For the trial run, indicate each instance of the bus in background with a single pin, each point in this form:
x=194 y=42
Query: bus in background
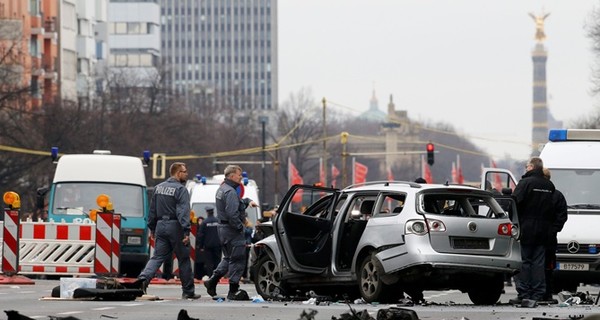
x=80 y=178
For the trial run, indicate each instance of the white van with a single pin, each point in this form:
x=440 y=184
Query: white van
x=80 y=178
x=573 y=157
x=203 y=190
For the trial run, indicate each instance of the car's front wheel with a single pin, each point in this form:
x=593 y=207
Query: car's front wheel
x=267 y=278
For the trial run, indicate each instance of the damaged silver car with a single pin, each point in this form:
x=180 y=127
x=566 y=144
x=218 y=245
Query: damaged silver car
x=382 y=239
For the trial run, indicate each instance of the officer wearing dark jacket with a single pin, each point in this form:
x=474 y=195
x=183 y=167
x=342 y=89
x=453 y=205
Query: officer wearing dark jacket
x=209 y=242
x=231 y=214
x=533 y=196
x=169 y=224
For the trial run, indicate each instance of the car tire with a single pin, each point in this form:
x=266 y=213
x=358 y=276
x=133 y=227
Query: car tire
x=487 y=293
x=267 y=278
x=371 y=285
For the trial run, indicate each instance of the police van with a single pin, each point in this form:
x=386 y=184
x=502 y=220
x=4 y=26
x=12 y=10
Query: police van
x=572 y=157
x=203 y=190
x=80 y=178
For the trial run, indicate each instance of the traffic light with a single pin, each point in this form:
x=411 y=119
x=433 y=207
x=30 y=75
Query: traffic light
x=430 y=150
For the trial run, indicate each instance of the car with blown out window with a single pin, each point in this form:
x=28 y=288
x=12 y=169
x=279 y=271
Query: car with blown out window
x=380 y=240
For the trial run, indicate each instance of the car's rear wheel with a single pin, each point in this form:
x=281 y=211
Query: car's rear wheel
x=486 y=292
x=267 y=278
x=371 y=286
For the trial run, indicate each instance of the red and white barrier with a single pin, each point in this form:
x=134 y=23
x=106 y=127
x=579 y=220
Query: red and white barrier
x=10 y=249
x=107 y=255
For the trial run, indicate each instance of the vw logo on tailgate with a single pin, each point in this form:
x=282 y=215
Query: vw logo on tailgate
x=573 y=247
x=472 y=226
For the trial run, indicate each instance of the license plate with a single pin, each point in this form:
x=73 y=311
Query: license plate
x=470 y=243
x=573 y=266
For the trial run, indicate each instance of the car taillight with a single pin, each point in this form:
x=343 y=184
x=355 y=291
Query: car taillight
x=415 y=227
x=436 y=225
x=506 y=229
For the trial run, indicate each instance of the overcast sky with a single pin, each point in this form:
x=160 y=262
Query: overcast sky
x=463 y=62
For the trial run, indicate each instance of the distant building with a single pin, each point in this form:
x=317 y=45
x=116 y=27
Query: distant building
x=133 y=31
x=222 y=52
x=373 y=114
x=28 y=45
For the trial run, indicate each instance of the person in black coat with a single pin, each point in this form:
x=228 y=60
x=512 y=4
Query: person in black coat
x=533 y=196
x=208 y=241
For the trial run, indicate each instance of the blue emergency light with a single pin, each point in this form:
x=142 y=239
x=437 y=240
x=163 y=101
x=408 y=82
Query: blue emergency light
x=203 y=180
x=557 y=135
x=54 y=154
x=146 y=157
x=245 y=175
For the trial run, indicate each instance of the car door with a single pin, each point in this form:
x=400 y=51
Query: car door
x=498 y=180
x=303 y=228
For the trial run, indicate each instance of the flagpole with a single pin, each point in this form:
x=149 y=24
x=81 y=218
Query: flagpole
x=289 y=174
x=353 y=170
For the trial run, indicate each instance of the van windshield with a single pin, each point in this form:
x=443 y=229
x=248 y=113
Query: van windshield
x=78 y=198
x=581 y=187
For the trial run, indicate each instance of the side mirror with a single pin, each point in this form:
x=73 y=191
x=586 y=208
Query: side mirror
x=506 y=191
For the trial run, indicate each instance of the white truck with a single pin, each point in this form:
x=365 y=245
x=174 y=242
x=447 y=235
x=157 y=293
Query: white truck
x=80 y=178
x=203 y=190
x=572 y=155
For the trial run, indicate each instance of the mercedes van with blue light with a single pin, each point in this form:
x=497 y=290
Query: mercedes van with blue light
x=572 y=155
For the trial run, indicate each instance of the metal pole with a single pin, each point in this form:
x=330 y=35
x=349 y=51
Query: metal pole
x=262 y=191
x=324 y=143
x=344 y=141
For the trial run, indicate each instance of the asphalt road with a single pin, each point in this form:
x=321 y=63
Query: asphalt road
x=30 y=301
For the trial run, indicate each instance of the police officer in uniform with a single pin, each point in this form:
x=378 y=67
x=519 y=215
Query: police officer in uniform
x=169 y=224
x=231 y=214
x=208 y=241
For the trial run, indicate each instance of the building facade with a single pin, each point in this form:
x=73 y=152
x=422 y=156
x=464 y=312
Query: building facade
x=133 y=31
x=222 y=52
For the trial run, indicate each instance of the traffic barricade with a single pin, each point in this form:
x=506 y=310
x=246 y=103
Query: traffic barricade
x=10 y=241
x=61 y=248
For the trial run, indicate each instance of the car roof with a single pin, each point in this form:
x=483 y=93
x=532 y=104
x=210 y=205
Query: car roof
x=405 y=186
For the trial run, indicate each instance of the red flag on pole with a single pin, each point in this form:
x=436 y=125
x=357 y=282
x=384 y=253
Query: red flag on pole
x=497 y=179
x=360 y=172
x=426 y=171
x=460 y=179
x=334 y=174
x=294 y=178
x=454 y=176
x=321 y=172
x=390 y=174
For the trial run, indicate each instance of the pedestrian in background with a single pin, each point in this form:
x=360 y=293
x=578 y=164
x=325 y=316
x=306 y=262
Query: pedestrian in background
x=209 y=242
x=248 y=233
x=169 y=224
x=533 y=196
x=231 y=212
x=560 y=217
x=200 y=261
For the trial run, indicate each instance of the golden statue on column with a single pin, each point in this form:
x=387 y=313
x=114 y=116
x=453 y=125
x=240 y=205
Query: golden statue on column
x=540 y=36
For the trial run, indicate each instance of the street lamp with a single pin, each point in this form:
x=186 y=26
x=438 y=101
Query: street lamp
x=263 y=121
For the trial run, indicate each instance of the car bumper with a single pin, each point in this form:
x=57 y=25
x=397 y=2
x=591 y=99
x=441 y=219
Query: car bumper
x=417 y=252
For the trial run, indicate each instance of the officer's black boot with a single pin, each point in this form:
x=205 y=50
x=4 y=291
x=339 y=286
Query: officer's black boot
x=233 y=289
x=211 y=285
